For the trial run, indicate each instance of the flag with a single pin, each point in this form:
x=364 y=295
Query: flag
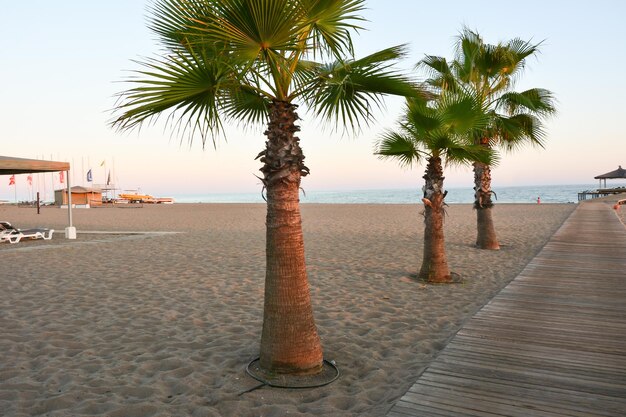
x=12 y=180
x=102 y=163
x=89 y=177
x=109 y=179
x=30 y=180
x=61 y=177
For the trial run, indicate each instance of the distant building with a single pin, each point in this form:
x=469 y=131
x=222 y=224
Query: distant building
x=81 y=197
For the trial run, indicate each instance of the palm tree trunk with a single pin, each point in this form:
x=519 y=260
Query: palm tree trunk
x=486 y=233
x=289 y=341
x=435 y=263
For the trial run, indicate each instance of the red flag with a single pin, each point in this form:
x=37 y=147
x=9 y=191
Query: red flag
x=12 y=180
x=61 y=177
x=30 y=180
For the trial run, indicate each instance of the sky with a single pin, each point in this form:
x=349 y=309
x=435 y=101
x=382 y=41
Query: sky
x=63 y=63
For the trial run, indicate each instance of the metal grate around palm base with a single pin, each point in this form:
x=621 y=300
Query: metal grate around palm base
x=329 y=373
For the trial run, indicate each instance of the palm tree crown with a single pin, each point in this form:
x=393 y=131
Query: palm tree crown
x=490 y=72
x=232 y=58
x=439 y=128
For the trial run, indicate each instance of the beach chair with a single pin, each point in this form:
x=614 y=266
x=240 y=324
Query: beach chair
x=10 y=234
x=6 y=235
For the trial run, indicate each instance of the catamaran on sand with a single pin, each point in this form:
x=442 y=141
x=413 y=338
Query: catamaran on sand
x=144 y=198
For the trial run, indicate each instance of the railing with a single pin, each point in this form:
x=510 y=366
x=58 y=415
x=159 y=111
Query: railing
x=591 y=194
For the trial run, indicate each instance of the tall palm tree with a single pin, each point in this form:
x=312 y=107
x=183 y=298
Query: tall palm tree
x=254 y=61
x=516 y=118
x=436 y=132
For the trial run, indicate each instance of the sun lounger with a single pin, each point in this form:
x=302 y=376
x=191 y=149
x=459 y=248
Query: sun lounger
x=6 y=235
x=10 y=234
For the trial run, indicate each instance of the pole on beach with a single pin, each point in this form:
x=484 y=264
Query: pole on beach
x=70 y=231
x=38 y=206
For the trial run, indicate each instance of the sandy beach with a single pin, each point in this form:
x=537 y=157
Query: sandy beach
x=163 y=324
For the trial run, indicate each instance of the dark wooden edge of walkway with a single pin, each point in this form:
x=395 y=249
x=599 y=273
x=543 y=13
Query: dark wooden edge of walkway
x=551 y=343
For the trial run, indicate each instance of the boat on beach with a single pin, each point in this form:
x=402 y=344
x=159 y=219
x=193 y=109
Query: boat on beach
x=144 y=198
x=135 y=198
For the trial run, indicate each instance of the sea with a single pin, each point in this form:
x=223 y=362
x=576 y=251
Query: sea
x=550 y=194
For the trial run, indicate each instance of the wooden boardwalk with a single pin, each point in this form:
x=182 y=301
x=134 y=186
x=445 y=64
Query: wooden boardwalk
x=552 y=343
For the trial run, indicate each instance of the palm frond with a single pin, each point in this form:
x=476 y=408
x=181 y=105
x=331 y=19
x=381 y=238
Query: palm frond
x=400 y=147
x=519 y=51
x=345 y=91
x=172 y=20
x=462 y=154
x=468 y=48
x=520 y=129
x=331 y=22
x=494 y=61
x=535 y=100
x=383 y=58
x=304 y=76
x=440 y=74
x=253 y=27
x=462 y=114
x=273 y=35
x=247 y=105
x=191 y=87
x=522 y=49
x=420 y=119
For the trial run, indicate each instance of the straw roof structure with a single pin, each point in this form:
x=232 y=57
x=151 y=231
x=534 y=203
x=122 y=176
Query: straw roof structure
x=618 y=173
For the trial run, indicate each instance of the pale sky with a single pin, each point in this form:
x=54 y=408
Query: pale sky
x=62 y=63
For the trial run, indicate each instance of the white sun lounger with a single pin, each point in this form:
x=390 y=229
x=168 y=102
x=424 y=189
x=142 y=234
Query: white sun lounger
x=10 y=234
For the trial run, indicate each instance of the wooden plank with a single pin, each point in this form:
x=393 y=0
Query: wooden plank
x=553 y=342
x=527 y=393
x=404 y=408
x=560 y=355
x=510 y=403
x=564 y=380
x=550 y=363
x=459 y=403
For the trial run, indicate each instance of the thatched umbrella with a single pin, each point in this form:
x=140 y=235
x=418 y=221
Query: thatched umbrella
x=618 y=173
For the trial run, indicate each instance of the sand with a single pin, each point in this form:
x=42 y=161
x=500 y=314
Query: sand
x=163 y=324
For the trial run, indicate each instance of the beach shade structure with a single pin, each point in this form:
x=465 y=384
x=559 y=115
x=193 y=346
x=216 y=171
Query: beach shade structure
x=11 y=165
x=619 y=173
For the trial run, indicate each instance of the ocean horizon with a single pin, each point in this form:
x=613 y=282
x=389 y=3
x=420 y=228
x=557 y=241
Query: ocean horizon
x=550 y=194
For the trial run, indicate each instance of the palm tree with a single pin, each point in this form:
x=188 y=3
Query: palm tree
x=253 y=61
x=437 y=131
x=516 y=118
